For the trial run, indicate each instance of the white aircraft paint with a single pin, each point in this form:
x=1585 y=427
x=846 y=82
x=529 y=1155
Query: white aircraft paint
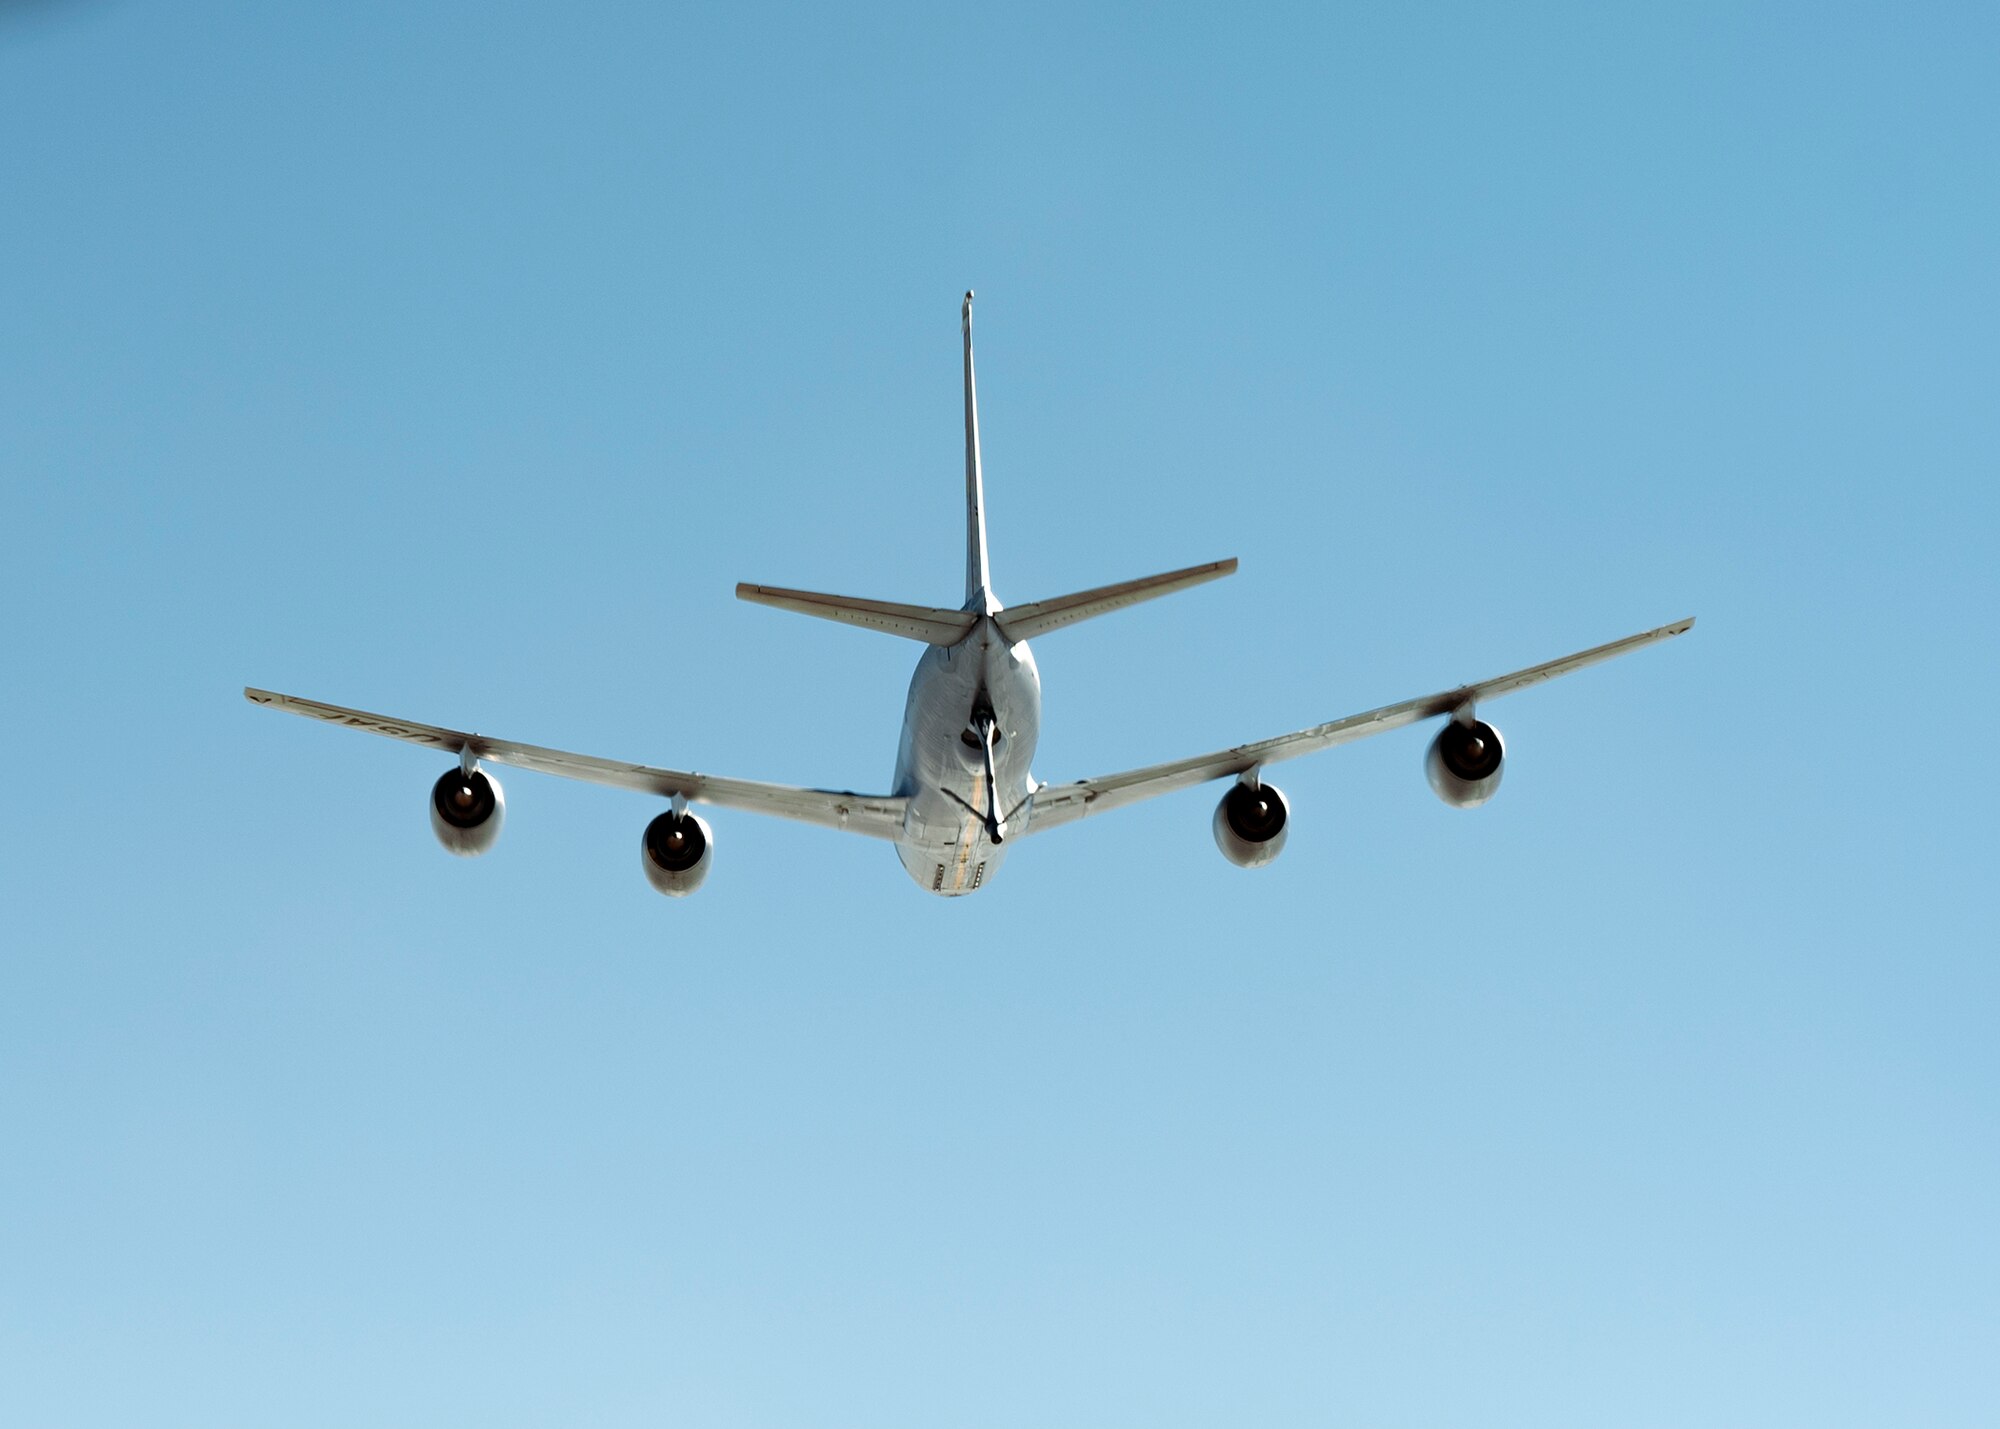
x=963 y=791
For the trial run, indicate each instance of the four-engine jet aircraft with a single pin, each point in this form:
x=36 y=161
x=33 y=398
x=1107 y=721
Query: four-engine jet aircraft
x=963 y=791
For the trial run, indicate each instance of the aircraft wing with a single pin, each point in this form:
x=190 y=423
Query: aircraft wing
x=876 y=815
x=1058 y=804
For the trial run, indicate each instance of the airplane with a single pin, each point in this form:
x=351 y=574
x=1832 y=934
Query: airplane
x=963 y=793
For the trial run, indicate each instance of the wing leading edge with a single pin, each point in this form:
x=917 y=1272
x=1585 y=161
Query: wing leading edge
x=1058 y=804
x=877 y=816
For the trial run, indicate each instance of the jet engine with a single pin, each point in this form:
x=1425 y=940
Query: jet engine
x=1250 y=824
x=675 y=852
x=1464 y=763
x=467 y=811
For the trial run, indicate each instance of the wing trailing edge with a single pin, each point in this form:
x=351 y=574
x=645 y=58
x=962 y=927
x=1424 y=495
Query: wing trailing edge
x=878 y=816
x=1057 y=804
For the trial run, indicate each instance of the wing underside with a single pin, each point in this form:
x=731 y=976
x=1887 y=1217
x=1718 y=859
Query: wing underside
x=875 y=815
x=1058 y=804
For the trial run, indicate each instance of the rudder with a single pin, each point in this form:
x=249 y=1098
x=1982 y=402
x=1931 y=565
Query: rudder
x=977 y=580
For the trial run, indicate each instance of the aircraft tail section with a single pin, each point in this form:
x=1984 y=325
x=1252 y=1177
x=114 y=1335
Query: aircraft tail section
x=978 y=588
x=1025 y=622
x=933 y=625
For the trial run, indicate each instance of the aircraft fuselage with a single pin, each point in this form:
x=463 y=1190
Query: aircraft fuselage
x=948 y=845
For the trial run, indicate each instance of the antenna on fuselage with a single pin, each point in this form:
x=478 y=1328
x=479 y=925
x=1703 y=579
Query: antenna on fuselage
x=976 y=577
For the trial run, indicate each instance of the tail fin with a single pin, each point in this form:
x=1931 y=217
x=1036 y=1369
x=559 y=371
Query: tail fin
x=976 y=579
x=1037 y=617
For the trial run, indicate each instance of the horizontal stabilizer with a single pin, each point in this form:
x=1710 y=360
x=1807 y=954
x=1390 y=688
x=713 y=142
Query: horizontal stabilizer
x=930 y=624
x=1026 y=622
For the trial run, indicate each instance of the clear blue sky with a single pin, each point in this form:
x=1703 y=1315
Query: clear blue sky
x=456 y=360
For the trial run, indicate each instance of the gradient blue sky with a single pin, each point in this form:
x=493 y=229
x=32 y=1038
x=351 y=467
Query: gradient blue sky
x=456 y=359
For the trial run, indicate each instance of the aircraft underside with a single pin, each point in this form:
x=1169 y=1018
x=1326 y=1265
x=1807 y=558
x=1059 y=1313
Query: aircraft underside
x=963 y=794
x=982 y=695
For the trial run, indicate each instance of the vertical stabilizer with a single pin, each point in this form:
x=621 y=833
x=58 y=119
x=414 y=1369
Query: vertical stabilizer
x=976 y=587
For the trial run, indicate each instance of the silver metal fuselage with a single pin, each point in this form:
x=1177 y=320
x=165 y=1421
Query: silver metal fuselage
x=962 y=787
x=947 y=846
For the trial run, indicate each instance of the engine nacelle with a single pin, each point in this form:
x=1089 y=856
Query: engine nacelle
x=676 y=852
x=1250 y=824
x=467 y=811
x=1464 y=763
